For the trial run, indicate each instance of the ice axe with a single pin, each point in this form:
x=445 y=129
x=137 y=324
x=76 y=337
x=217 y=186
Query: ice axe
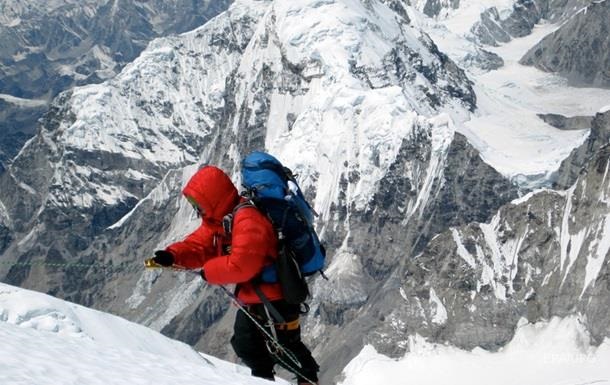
x=149 y=263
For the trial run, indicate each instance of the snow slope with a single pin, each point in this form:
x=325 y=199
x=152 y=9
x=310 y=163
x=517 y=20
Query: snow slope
x=49 y=341
x=553 y=352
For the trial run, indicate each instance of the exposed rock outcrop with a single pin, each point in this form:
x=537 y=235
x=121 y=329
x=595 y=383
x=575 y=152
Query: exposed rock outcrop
x=579 y=49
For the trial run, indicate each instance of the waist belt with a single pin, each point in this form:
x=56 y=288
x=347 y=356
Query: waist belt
x=292 y=325
x=289 y=325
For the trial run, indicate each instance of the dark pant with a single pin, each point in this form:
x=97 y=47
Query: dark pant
x=250 y=343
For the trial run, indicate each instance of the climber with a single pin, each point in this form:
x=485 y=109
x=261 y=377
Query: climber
x=238 y=259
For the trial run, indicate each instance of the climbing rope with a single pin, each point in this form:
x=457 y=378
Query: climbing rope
x=273 y=345
x=99 y=268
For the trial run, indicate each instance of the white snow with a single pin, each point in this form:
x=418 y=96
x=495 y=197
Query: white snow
x=545 y=353
x=342 y=124
x=570 y=243
x=598 y=252
x=505 y=128
x=46 y=341
x=4 y=217
x=439 y=312
x=23 y=102
x=461 y=250
x=529 y=195
x=461 y=20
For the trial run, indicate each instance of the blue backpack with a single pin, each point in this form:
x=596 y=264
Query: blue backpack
x=273 y=189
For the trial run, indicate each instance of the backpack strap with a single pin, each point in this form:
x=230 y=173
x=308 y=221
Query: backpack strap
x=270 y=310
x=227 y=220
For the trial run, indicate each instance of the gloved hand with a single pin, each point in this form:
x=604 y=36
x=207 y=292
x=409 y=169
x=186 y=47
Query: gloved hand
x=203 y=274
x=163 y=258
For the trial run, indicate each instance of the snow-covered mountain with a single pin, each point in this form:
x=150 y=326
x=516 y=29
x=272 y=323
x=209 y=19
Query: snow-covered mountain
x=49 y=46
x=406 y=133
x=542 y=255
x=49 y=341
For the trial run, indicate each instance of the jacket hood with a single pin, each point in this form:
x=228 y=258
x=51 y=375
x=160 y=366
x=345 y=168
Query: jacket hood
x=213 y=191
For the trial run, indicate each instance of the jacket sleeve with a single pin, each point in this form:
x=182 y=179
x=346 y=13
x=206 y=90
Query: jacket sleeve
x=195 y=249
x=253 y=238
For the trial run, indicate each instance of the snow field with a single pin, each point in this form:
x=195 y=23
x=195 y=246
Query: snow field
x=556 y=352
x=47 y=341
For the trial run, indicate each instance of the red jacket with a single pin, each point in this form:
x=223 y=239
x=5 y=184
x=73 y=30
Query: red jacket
x=252 y=247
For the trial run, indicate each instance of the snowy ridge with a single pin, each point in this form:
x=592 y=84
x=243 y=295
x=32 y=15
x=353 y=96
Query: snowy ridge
x=155 y=115
x=22 y=102
x=52 y=46
x=351 y=108
x=548 y=352
x=49 y=341
x=31 y=310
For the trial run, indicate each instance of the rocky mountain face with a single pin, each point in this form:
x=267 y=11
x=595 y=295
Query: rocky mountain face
x=579 y=49
x=404 y=215
x=50 y=46
x=543 y=255
x=423 y=236
x=501 y=25
x=580 y=157
x=17 y=123
x=567 y=123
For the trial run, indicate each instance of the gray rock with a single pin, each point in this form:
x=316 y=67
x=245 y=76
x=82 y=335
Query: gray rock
x=386 y=237
x=17 y=124
x=483 y=59
x=400 y=7
x=490 y=30
x=539 y=257
x=567 y=123
x=573 y=165
x=434 y=7
x=579 y=49
x=493 y=29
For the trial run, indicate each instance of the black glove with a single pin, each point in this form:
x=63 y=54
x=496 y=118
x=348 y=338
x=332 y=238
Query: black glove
x=164 y=258
x=203 y=275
